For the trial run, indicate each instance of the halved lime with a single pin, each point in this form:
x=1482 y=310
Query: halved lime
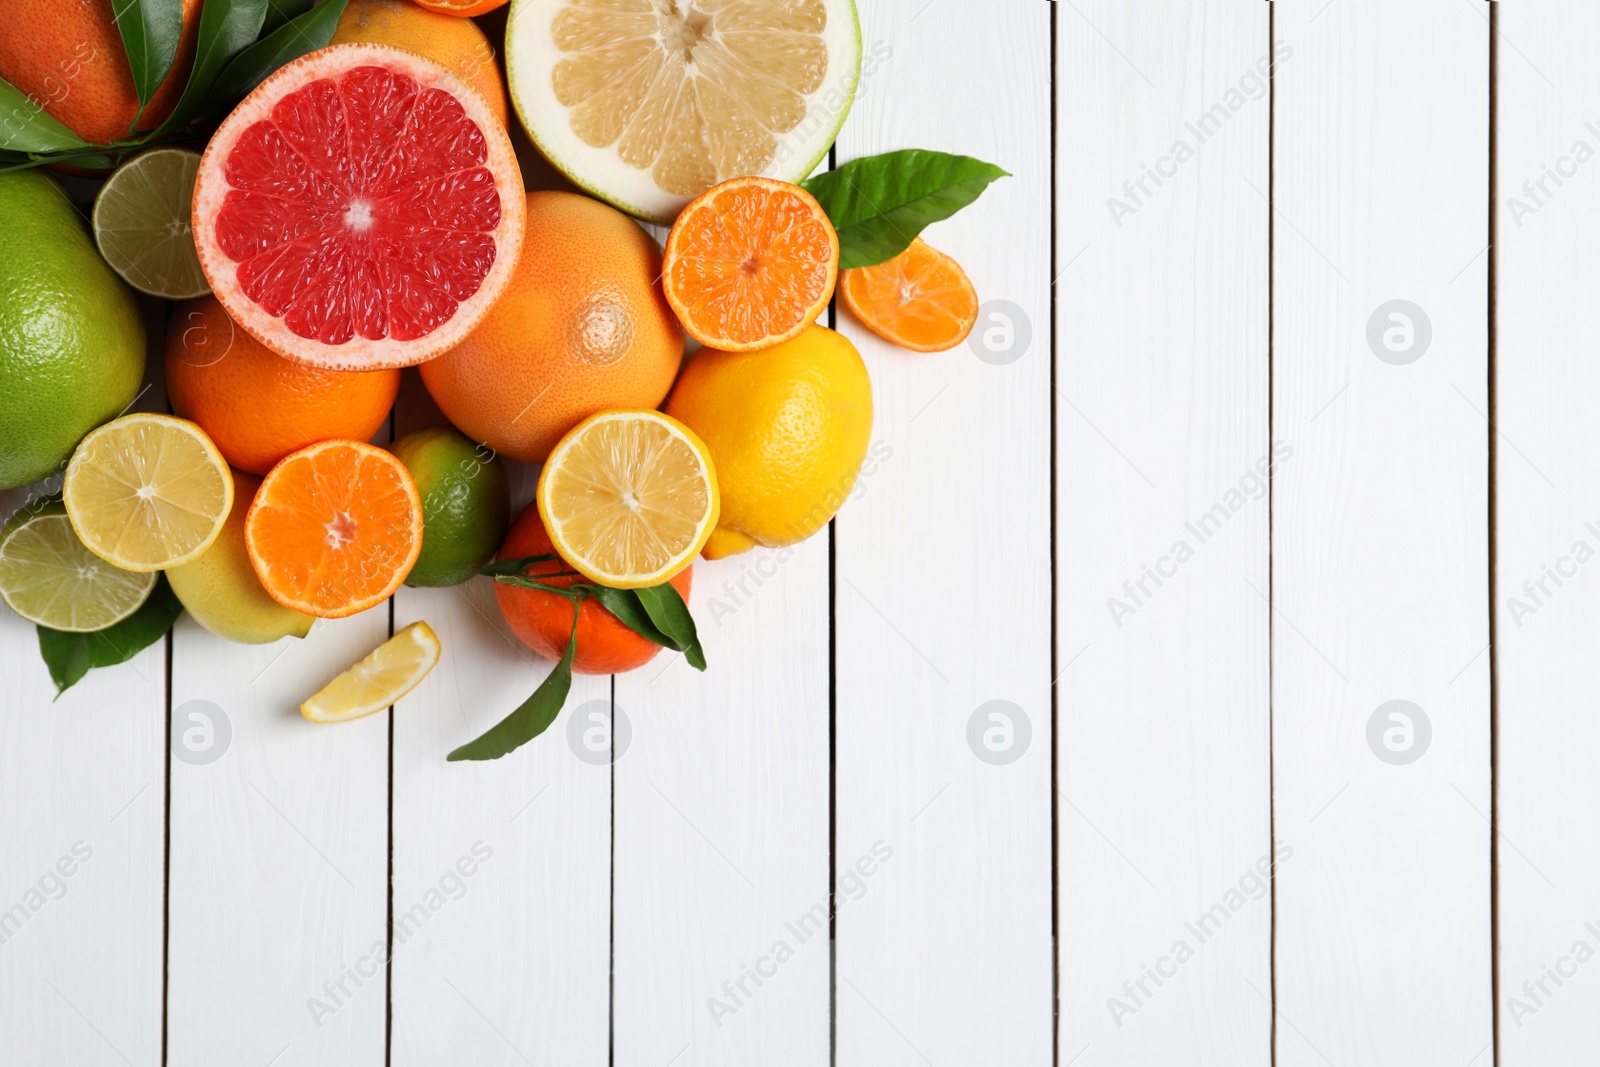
x=50 y=578
x=141 y=223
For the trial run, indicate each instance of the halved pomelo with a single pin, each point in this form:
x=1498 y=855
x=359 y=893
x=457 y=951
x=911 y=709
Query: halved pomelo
x=649 y=103
x=362 y=208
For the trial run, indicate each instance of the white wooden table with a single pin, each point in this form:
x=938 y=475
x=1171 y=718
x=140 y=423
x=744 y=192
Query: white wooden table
x=1040 y=709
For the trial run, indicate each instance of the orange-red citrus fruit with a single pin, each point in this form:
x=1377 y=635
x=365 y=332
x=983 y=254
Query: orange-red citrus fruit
x=750 y=263
x=920 y=299
x=67 y=57
x=462 y=8
x=582 y=328
x=543 y=621
x=457 y=43
x=257 y=406
x=334 y=528
x=361 y=208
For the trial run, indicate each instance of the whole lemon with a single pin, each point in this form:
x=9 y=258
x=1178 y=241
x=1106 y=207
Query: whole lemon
x=788 y=427
x=220 y=588
x=72 y=343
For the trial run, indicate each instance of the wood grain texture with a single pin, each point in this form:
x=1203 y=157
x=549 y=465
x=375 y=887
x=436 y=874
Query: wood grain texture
x=278 y=883
x=1548 y=521
x=82 y=834
x=1162 y=533
x=722 y=826
x=502 y=869
x=1380 y=534
x=942 y=593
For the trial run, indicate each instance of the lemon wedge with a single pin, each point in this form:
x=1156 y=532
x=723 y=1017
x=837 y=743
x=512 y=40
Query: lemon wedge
x=629 y=498
x=391 y=671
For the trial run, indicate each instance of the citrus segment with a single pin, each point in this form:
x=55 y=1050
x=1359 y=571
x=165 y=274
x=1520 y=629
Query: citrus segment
x=920 y=299
x=380 y=679
x=141 y=223
x=750 y=264
x=49 y=577
x=335 y=528
x=362 y=208
x=647 y=104
x=629 y=497
x=147 y=491
x=458 y=43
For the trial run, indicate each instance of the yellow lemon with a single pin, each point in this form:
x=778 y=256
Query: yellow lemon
x=385 y=675
x=220 y=588
x=788 y=428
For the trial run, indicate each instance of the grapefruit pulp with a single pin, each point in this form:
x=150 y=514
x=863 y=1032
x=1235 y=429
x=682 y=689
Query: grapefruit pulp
x=362 y=208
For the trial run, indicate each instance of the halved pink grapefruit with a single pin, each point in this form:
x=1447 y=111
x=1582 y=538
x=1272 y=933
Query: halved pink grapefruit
x=362 y=208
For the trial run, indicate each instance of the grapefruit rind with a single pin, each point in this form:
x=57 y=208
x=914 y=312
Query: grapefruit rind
x=359 y=353
x=531 y=55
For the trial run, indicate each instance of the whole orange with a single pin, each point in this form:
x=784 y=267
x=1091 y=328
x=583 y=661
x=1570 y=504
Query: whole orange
x=455 y=42
x=257 y=406
x=581 y=328
x=67 y=57
x=543 y=620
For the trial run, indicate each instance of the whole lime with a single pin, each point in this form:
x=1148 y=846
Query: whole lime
x=72 y=344
x=465 y=503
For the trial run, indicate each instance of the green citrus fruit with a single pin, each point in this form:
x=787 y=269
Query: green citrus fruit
x=141 y=223
x=49 y=577
x=220 y=588
x=72 y=344
x=465 y=503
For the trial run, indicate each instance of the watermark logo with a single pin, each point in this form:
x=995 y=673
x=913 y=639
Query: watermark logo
x=999 y=732
x=201 y=732
x=1399 y=332
x=1399 y=732
x=598 y=732
x=48 y=888
x=1003 y=333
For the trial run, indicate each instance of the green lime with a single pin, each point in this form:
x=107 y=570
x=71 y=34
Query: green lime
x=465 y=503
x=49 y=577
x=72 y=343
x=141 y=223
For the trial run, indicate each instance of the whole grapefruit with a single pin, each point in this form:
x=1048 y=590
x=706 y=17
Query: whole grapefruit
x=582 y=327
x=543 y=620
x=67 y=57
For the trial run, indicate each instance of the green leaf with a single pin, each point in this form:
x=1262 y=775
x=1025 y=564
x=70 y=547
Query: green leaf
x=281 y=11
x=150 y=30
x=69 y=656
x=227 y=27
x=516 y=567
x=879 y=204
x=25 y=126
x=626 y=606
x=671 y=616
x=304 y=33
x=532 y=717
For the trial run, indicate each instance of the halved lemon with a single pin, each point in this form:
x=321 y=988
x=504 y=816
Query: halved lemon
x=49 y=578
x=649 y=103
x=147 y=491
x=391 y=671
x=629 y=498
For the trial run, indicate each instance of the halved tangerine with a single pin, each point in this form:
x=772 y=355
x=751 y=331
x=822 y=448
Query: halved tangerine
x=362 y=208
x=750 y=263
x=335 y=528
x=920 y=299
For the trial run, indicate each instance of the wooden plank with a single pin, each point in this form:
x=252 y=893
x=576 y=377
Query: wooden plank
x=82 y=843
x=1380 y=534
x=942 y=857
x=1548 y=512
x=278 y=878
x=1162 y=533
x=502 y=902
